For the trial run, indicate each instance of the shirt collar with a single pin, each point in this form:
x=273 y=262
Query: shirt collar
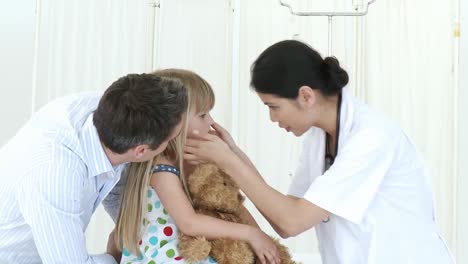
x=95 y=158
x=348 y=107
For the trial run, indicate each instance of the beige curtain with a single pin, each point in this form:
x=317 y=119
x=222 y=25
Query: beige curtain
x=84 y=45
x=409 y=75
x=400 y=58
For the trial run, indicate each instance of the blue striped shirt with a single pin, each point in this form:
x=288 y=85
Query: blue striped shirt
x=53 y=175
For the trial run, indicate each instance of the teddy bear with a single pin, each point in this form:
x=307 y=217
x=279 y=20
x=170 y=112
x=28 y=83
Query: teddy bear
x=215 y=194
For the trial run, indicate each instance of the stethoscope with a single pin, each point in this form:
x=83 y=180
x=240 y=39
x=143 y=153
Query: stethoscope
x=329 y=159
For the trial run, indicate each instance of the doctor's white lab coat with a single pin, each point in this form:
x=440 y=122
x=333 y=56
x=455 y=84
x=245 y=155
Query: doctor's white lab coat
x=378 y=192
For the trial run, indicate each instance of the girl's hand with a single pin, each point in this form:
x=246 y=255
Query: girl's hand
x=264 y=248
x=222 y=133
x=209 y=148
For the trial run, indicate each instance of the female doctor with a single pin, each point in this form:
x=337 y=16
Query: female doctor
x=360 y=182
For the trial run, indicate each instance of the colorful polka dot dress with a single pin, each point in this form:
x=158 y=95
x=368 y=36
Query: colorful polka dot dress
x=159 y=244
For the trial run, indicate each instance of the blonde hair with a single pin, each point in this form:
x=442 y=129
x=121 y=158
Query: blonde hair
x=134 y=199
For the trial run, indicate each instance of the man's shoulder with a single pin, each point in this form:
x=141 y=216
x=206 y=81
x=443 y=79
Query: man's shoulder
x=65 y=113
x=59 y=157
x=72 y=100
x=59 y=122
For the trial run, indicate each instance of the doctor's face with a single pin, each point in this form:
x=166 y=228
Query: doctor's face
x=288 y=113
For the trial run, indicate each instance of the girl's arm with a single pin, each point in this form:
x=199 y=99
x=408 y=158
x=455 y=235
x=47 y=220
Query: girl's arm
x=170 y=191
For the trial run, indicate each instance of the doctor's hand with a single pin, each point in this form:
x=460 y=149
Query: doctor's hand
x=222 y=133
x=207 y=148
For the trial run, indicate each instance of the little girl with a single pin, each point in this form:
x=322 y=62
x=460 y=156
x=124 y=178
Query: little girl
x=151 y=216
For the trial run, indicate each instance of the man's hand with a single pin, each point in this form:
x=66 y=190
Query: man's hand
x=112 y=248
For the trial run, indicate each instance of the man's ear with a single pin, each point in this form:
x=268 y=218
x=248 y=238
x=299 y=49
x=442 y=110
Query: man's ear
x=139 y=151
x=306 y=96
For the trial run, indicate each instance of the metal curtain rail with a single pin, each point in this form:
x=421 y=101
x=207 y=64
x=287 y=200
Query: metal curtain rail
x=330 y=16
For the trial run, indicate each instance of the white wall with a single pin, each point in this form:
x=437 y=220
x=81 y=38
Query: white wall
x=462 y=180
x=17 y=26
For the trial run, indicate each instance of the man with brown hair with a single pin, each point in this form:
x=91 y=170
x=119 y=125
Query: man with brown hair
x=70 y=155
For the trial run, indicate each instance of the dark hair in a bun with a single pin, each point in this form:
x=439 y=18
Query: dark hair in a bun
x=287 y=65
x=335 y=76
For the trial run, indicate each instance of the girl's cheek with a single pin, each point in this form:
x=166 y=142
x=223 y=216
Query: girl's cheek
x=195 y=135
